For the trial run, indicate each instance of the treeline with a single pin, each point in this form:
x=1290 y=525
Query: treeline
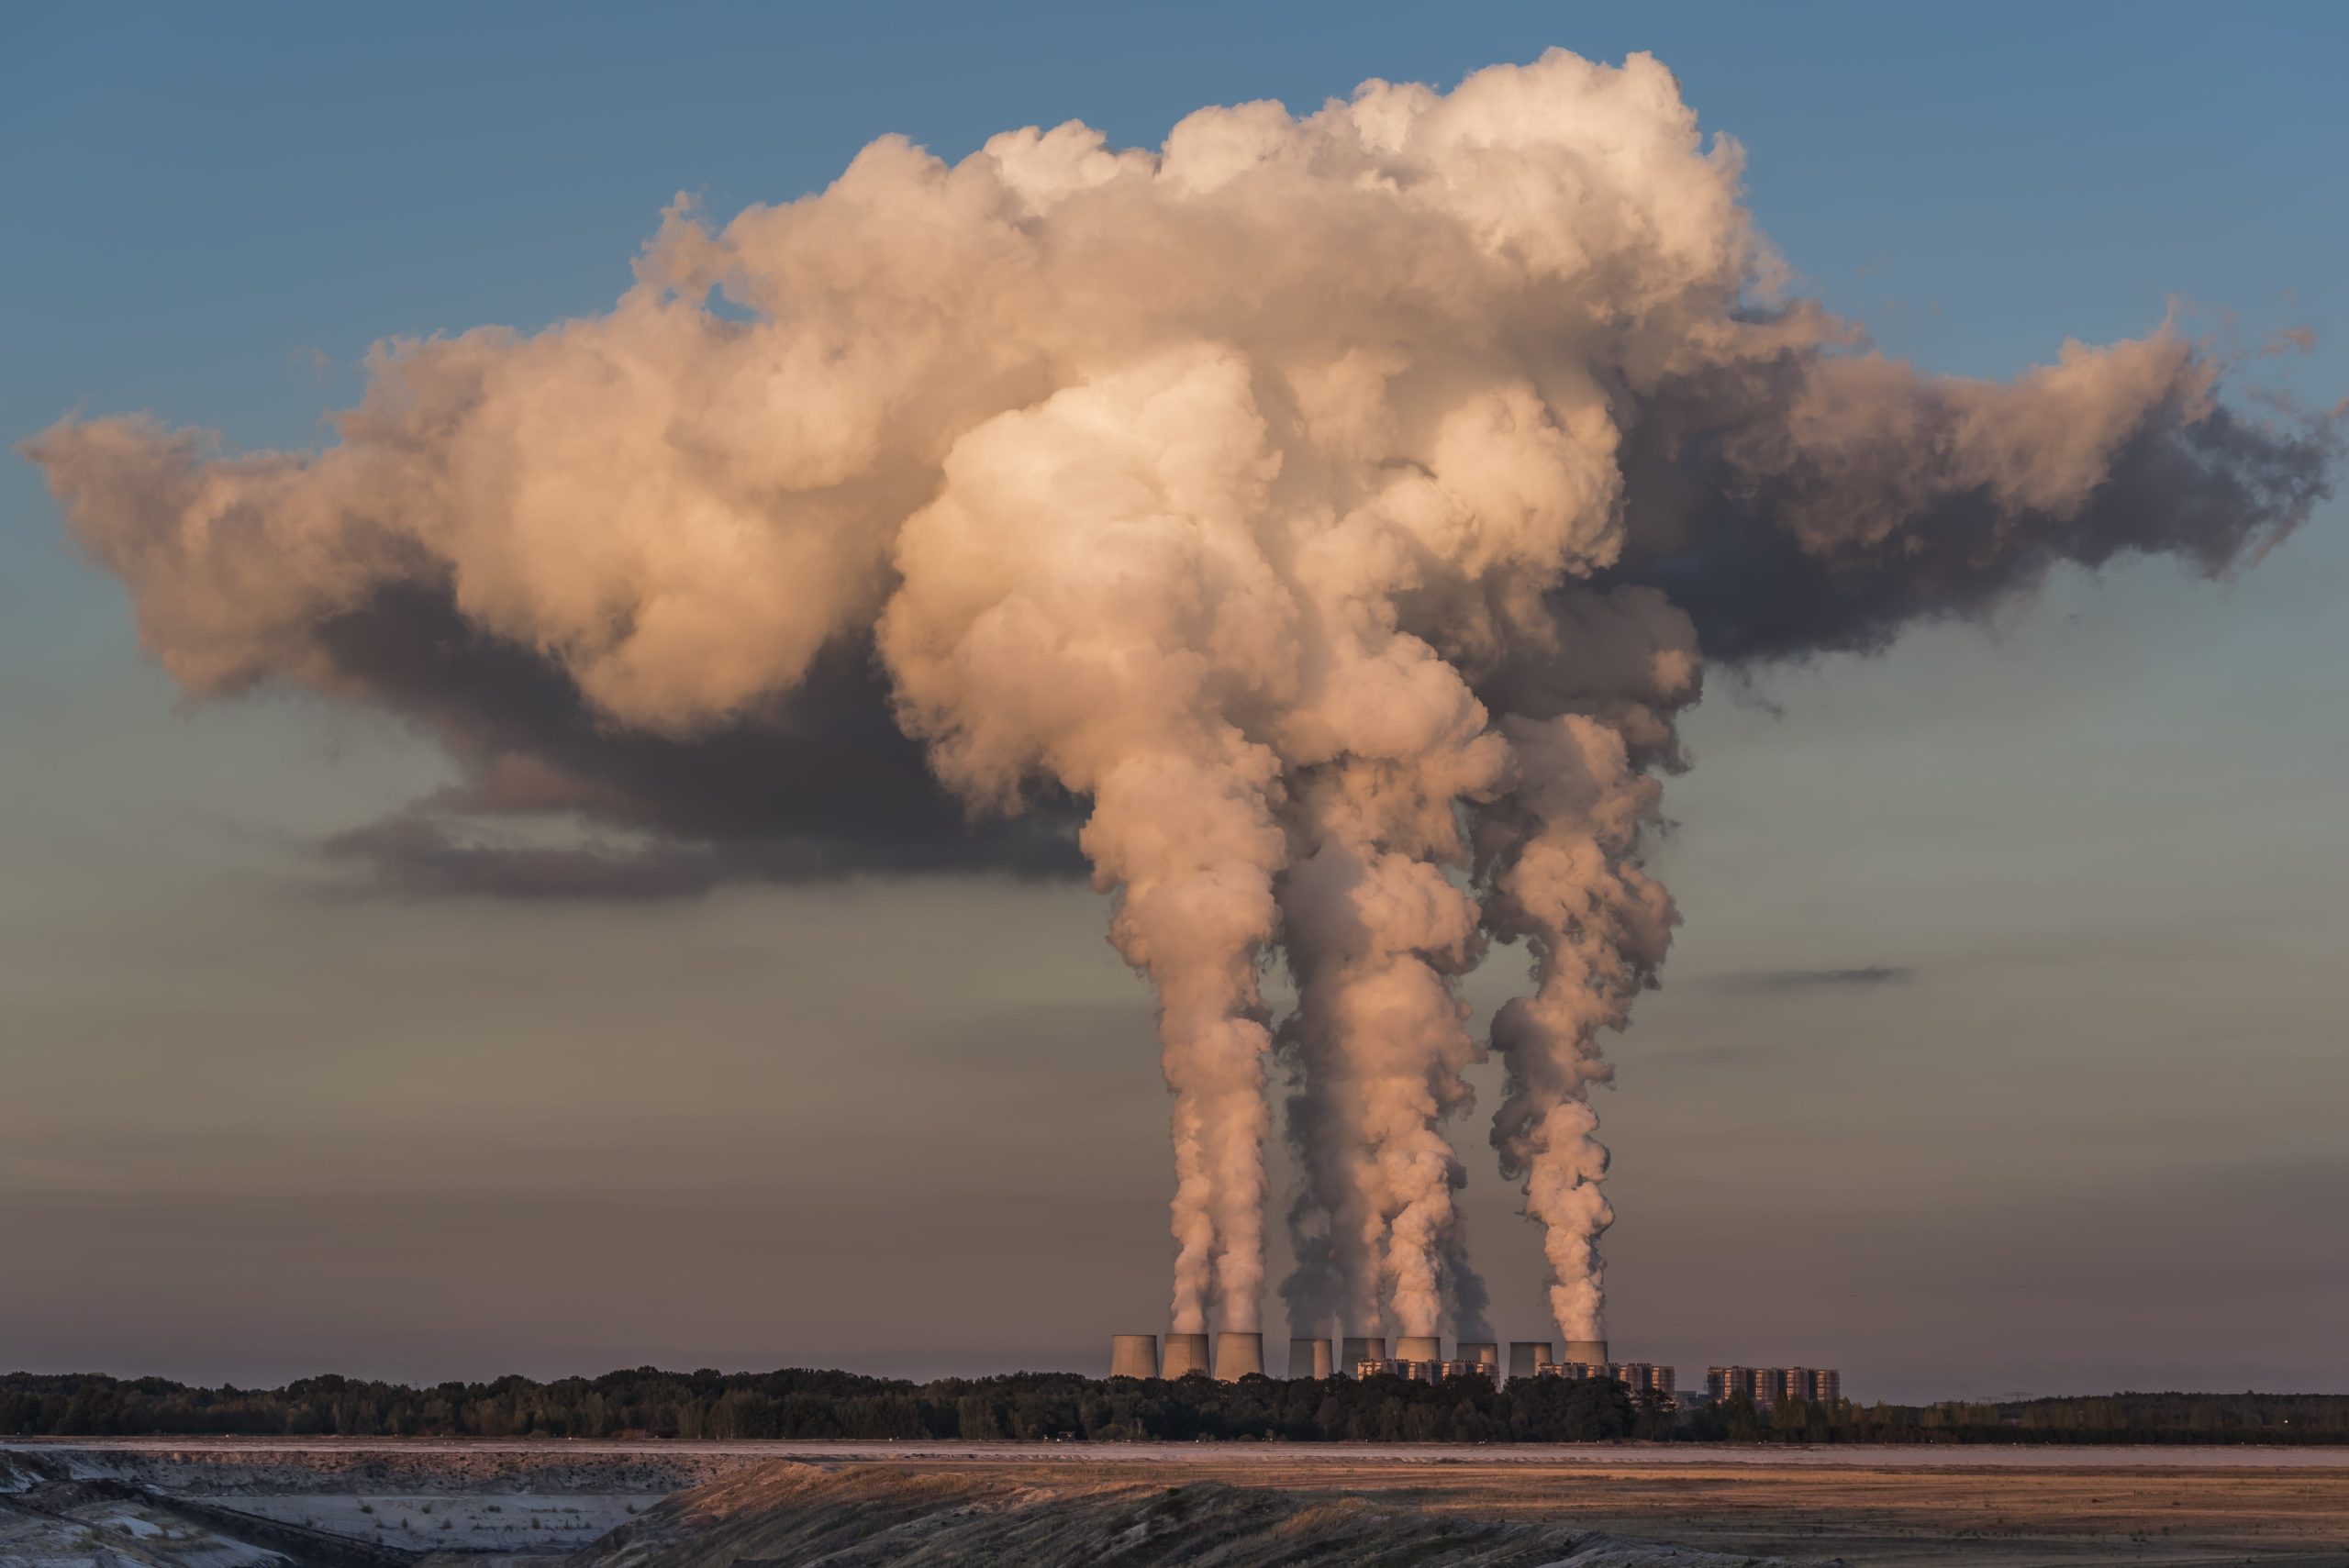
x=1052 y=1406
x=2101 y=1418
x=1031 y=1407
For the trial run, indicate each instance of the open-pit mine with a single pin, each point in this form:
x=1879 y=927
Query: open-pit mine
x=161 y=1503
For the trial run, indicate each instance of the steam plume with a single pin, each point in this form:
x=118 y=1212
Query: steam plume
x=1328 y=511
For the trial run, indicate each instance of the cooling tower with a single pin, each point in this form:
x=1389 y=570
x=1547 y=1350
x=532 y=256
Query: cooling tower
x=1238 y=1356
x=1361 y=1348
x=1526 y=1356
x=1309 y=1358
x=1590 y=1352
x=1187 y=1356
x=1133 y=1355
x=1483 y=1352
x=1420 y=1348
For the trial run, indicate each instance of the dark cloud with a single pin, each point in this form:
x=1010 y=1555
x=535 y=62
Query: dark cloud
x=1723 y=503
x=820 y=785
x=417 y=853
x=1771 y=982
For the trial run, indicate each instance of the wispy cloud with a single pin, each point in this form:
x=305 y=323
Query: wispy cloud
x=1774 y=982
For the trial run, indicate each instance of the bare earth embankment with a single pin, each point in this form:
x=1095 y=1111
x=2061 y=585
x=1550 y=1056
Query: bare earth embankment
x=219 y=1504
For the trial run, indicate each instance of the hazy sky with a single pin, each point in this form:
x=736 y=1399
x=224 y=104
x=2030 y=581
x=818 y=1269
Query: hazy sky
x=2000 y=1048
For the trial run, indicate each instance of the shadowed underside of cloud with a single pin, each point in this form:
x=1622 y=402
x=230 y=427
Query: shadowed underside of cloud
x=1778 y=982
x=824 y=786
x=1737 y=549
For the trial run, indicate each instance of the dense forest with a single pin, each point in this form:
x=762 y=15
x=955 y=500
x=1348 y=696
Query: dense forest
x=1062 y=1408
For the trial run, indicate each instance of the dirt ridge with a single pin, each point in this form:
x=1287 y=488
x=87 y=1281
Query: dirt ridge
x=792 y=1515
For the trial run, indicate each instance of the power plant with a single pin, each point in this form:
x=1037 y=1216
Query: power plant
x=1420 y=1358
x=1638 y=1376
x=1133 y=1355
x=1767 y=1386
x=1238 y=1356
x=1185 y=1354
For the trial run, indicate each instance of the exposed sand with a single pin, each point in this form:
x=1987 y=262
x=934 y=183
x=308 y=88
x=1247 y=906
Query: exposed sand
x=1875 y=1508
x=686 y=1455
x=1871 y=1515
x=453 y=1521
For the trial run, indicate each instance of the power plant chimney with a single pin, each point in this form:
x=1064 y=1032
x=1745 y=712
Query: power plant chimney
x=1525 y=1356
x=1238 y=1356
x=1308 y=1358
x=1133 y=1355
x=1482 y=1352
x=1187 y=1356
x=1420 y=1348
x=1590 y=1352
x=1359 y=1348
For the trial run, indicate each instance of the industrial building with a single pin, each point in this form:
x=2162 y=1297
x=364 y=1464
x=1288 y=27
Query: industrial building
x=1133 y=1355
x=1423 y=1370
x=1647 y=1377
x=1765 y=1385
x=1238 y=1356
x=1185 y=1354
x=1420 y=1357
x=1638 y=1376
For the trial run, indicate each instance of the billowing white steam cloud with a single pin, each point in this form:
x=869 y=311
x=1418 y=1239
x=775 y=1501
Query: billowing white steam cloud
x=1333 y=508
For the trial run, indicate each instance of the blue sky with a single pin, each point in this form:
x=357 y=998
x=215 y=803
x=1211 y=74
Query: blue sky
x=2085 y=1136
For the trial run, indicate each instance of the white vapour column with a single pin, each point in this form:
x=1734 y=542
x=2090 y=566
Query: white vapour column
x=1597 y=925
x=1375 y=939
x=1054 y=599
x=1495 y=489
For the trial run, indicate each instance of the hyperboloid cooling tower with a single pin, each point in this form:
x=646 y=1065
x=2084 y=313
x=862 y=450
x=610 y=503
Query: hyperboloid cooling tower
x=1238 y=1356
x=1361 y=1348
x=1590 y=1352
x=1133 y=1355
x=1418 y=1348
x=1308 y=1358
x=1526 y=1356
x=1481 y=1352
x=1185 y=1354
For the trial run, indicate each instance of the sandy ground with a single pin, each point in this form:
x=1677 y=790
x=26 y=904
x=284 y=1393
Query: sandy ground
x=1871 y=1515
x=167 y=1505
x=672 y=1451
x=454 y=1522
x=118 y=1533
x=229 y=1468
x=1875 y=1508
